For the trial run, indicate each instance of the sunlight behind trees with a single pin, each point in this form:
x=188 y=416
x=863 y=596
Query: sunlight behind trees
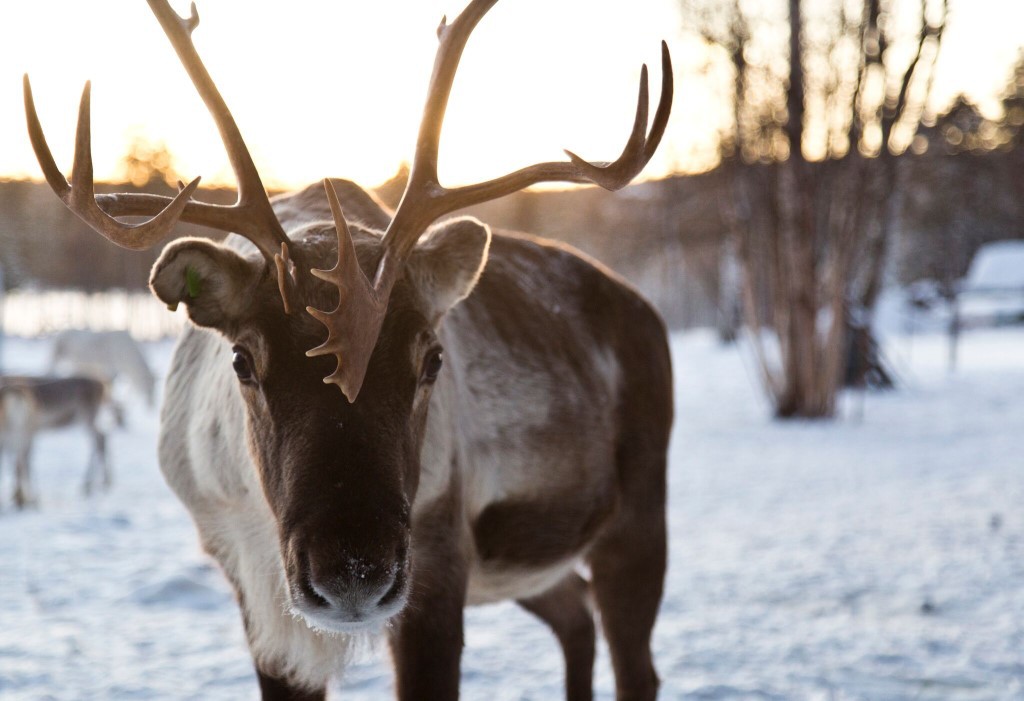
x=336 y=88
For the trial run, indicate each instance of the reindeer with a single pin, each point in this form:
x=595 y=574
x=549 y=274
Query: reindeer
x=458 y=417
x=29 y=405
x=105 y=355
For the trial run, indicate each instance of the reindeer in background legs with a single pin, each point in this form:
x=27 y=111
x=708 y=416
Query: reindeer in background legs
x=29 y=405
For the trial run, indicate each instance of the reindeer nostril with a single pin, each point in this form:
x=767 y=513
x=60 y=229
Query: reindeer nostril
x=397 y=585
x=305 y=580
x=313 y=593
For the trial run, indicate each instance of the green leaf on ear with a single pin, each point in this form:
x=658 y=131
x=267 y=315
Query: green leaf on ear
x=193 y=283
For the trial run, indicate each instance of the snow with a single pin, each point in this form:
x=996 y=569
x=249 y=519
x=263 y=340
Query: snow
x=877 y=557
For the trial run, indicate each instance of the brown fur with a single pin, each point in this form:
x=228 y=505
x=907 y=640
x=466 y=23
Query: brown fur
x=566 y=608
x=507 y=531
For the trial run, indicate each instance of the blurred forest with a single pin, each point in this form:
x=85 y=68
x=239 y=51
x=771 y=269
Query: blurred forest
x=835 y=180
x=668 y=236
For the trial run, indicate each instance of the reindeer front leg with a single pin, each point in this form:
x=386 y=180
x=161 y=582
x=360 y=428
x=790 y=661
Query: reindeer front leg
x=97 y=473
x=23 y=493
x=427 y=637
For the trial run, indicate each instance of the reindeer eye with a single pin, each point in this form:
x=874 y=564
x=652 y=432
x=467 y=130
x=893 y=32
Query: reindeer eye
x=432 y=365
x=240 y=364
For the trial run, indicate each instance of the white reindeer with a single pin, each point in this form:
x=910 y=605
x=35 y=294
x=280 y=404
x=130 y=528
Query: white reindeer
x=415 y=489
x=105 y=355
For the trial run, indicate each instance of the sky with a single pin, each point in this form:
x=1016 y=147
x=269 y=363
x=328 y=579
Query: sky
x=336 y=88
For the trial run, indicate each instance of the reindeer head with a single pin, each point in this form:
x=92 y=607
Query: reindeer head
x=339 y=470
x=339 y=476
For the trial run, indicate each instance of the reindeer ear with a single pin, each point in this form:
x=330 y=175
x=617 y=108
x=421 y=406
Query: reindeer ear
x=213 y=281
x=447 y=262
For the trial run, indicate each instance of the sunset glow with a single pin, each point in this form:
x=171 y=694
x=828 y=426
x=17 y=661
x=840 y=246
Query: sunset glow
x=336 y=88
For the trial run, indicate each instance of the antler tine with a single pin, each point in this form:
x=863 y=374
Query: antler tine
x=452 y=40
x=641 y=146
x=664 y=105
x=42 y=150
x=353 y=326
x=253 y=210
x=79 y=196
x=615 y=175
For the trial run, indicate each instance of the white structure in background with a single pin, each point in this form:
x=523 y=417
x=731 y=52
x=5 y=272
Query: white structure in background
x=992 y=292
x=3 y=331
x=104 y=355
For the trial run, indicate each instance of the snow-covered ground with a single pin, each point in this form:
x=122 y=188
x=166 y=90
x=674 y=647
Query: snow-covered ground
x=877 y=557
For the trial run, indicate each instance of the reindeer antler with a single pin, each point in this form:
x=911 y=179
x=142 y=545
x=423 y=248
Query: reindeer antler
x=80 y=198
x=353 y=327
x=251 y=216
x=352 y=332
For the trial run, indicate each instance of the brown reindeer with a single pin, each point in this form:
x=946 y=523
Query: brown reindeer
x=539 y=446
x=32 y=404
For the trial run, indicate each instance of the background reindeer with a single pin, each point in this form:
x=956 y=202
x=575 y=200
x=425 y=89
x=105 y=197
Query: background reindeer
x=105 y=355
x=30 y=405
x=411 y=492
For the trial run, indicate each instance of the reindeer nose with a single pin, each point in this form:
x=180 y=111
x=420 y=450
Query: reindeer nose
x=335 y=589
x=357 y=585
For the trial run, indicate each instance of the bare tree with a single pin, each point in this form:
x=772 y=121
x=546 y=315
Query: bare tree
x=826 y=97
